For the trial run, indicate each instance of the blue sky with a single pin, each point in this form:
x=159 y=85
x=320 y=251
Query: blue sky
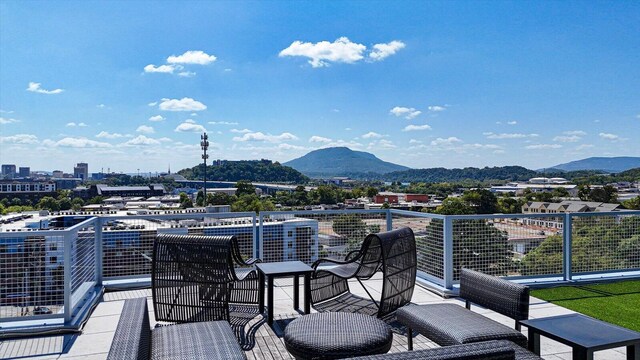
x=131 y=85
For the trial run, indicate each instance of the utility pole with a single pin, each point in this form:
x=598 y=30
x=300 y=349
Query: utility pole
x=204 y=143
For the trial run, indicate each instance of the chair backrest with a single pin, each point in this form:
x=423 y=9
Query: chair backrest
x=369 y=257
x=399 y=267
x=191 y=277
x=500 y=295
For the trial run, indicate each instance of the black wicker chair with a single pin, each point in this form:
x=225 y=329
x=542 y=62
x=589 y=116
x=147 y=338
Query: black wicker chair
x=194 y=278
x=392 y=252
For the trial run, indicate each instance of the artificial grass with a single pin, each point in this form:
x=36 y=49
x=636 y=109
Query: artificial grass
x=617 y=303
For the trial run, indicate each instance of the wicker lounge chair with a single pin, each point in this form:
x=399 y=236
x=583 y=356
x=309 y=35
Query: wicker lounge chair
x=135 y=340
x=392 y=252
x=194 y=278
x=451 y=324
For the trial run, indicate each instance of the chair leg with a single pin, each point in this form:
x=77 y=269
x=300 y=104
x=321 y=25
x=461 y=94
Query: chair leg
x=410 y=338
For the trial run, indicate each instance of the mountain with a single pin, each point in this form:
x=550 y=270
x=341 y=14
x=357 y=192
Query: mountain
x=435 y=175
x=337 y=161
x=608 y=164
x=251 y=170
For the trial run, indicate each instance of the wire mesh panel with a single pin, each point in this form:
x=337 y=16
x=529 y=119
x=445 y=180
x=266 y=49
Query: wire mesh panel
x=307 y=236
x=503 y=246
x=83 y=261
x=429 y=236
x=605 y=242
x=128 y=241
x=31 y=274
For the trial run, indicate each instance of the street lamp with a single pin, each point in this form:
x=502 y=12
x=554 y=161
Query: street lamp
x=204 y=143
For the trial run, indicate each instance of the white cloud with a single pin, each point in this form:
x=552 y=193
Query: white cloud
x=414 y=141
x=372 y=135
x=153 y=103
x=186 y=74
x=446 y=142
x=408 y=113
x=107 y=135
x=243 y=131
x=142 y=140
x=491 y=135
x=35 y=87
x=323 y=52
x=165 y=139
x=572 y=138
x=319 y=139
x=258 y=136
x=166 y=69
x=156 y=118
x=436 y=108
x=184 y=104
x=101 y=106
x=612 y=137
x=575 y=133
x=80 y=143
x=145 y=129
x=190 y=121
x=342 y=143
x=73 y=124
x=190 y=127
x=8 y=120
x=286 y=146
x=416 y=127
x=19 y=139
x=584 y=147
x=512 y=122
x=11 y=111
x=222 y=122
x=382 y=51
x=197 y=57
x=543 y=146
x=383 y=143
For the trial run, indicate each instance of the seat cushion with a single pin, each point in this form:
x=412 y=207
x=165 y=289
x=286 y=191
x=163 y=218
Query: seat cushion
x=201 y=340
x=337 y=335
x=450 y=324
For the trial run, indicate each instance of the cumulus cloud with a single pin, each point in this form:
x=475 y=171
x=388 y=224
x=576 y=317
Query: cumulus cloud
x=319 y=139
x=448 y=141
x=543 y=146
x=197 y=57
x=259 y=136
x=414 y=141
x=408 y=113
x=184 y=104
x=286 y=146
x=8 y=120
x=73 y=124
x=416 y=127
x=222 y=122
x=145 y=129
x=80 y=142
x=156 y=118
x=436 y=108
x=372 y=135
x=512 y=122
x=107 y=135
x=166 y=69
x=35 y=87
x=383 y=144
x=491 y=135
x=153 y=103
x=324 y=52
x=575 y=133
x=19 y=139
x=608 y=136
x=142 y=140
x=382 y=51
x=190 y=126
x=567 y=138
x=243 y=131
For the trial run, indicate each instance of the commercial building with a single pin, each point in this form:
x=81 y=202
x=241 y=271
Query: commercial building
x=8 y=171
x=81 y=170
x=567 y=206
x=24 y=171
x=126 y=191
x=26 y=189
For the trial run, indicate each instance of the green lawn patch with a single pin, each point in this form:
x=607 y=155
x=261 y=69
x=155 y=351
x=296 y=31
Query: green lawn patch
x=617 y=303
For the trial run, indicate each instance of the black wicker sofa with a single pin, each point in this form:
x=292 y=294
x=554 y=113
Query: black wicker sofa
x=451 y=324
x=134 y=339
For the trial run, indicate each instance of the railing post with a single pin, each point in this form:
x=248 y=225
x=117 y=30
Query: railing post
x=255 y=238
x=68 y=263
x=567 y=230
x=447 y=248
x=98 y=249
x=260 y=237
x=389 y=220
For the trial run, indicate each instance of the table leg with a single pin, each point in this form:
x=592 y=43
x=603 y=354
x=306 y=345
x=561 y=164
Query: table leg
x=307 y=293
x=270 y=300
x=296 y=292
x=534 y=341
x=580 y=353
x=633 y=352
x=260 y=292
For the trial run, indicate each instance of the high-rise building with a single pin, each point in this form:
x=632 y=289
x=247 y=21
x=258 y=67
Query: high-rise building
x=25 y=171
x=81 y=171
x=57 y=173
x=8 y=171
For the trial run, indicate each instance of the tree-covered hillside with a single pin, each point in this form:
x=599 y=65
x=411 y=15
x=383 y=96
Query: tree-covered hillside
x=253 y=170
x=508 y=173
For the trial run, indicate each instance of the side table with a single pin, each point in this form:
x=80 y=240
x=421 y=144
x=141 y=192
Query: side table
x=274 y=270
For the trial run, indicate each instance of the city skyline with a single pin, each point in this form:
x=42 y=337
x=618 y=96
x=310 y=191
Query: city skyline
x=421 y=84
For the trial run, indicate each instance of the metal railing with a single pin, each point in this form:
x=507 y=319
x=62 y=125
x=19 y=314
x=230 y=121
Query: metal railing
x=51 y=276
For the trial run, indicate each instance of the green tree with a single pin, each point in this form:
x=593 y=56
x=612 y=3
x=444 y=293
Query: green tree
x=185 y=202
x=245 y=188
x=16 y=201
x=219 y=198
x=632 y=204
x=351 y=227
x=65 y=203
x=77 y=203
x=49 y=203
x=371 y=191
x=508 y=205
x=96 y=200
x=200 y=198
x=481 y=200
x=454 y=206
x=251 y=202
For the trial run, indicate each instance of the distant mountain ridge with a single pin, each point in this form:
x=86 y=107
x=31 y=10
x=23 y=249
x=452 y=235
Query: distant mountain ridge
x=337 y=161
x=608 y=164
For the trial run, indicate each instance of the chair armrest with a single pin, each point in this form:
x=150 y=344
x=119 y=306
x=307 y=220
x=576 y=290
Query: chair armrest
x=337 y=262
x=132 y=339
x=252 y=261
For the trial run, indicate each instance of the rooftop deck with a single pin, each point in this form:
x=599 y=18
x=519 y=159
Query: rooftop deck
x=258 y=339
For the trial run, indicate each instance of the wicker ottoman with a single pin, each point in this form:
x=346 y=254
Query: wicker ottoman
x=337 y=335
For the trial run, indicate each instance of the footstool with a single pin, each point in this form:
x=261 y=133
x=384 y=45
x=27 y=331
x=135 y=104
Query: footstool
x=337 y=335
